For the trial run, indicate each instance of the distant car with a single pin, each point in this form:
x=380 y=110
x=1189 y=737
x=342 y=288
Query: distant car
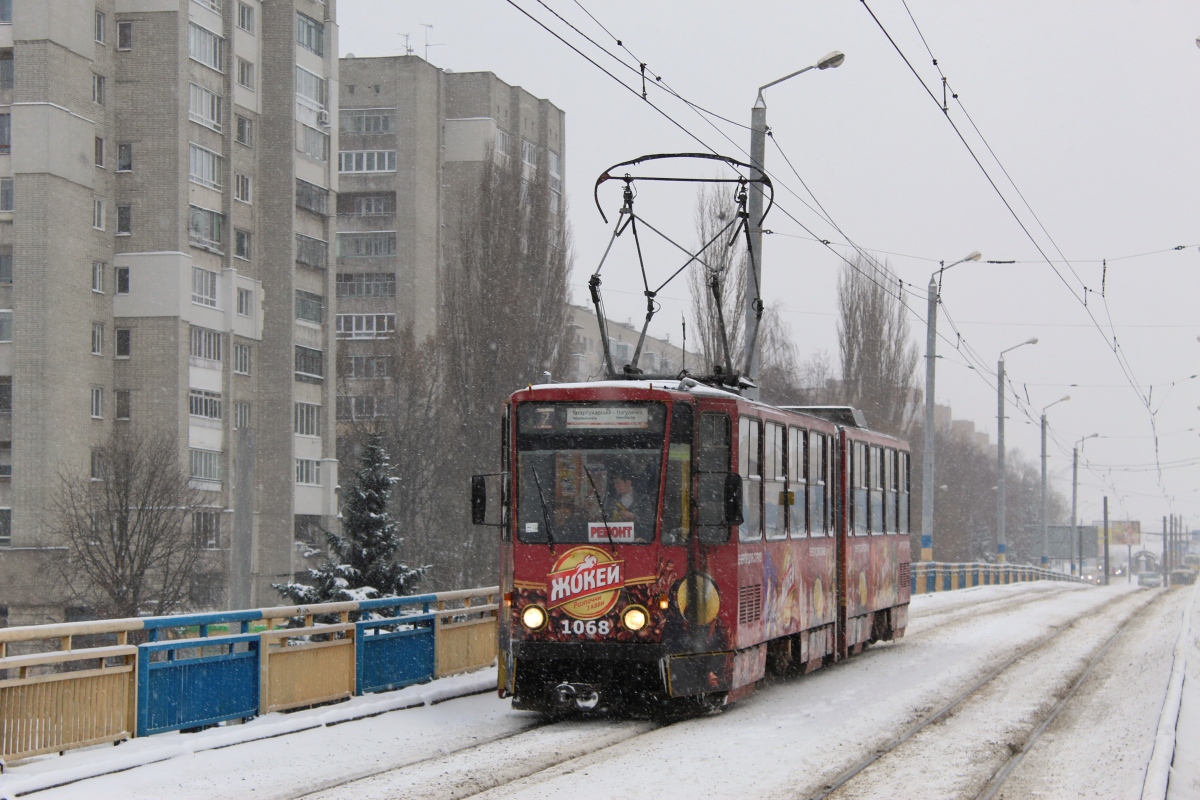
x=1182 y=577
x=1149 y=579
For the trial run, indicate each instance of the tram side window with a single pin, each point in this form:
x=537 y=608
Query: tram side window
x=797 y=482
x=875 y=475
x=713 y=448
x=677 y=505
x=903 y=479
x=750 y=468
x=890 y=494
x=858 y=482
x=774 y=482
x=818 y=514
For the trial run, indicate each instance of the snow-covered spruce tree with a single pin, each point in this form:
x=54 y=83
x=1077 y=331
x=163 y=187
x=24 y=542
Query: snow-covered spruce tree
x=361 y=563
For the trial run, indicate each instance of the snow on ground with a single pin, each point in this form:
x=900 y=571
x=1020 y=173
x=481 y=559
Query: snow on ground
x=1185 y=770
x=786 y=739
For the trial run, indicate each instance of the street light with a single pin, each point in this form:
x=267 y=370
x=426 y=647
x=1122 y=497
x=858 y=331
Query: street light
x=758 y=153
x=1075 y=500
x=1001 y=543
x=1045 y=534
x=930 y=360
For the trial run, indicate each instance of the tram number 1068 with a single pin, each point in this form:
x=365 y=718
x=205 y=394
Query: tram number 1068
x=579 y=627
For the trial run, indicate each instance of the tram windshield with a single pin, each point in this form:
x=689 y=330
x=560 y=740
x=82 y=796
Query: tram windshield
x=589 y=472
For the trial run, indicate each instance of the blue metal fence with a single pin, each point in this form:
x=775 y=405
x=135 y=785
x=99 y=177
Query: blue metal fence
x=396 y=650
x=196 y=682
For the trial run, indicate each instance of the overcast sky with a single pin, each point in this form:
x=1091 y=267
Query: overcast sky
x=1090 y=107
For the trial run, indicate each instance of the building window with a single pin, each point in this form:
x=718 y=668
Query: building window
x=369 y=366
x=97 y=338
x=125 y=157
x=241 y=244
x=97 y=89
x=245 y=74
x=6 y=70
x=365 y=326
x=310 y=307
x=204 y=287
x=245 y=130
x=311 y=197
x=124 y=342
x=311 y=252
x=205 y=167
x=528 y=153
x=204 y=404
x=310 y=34
x=211 y=5
x=241 y=188
x=310 y=364
x=98 y=276
x=241 y=359
x=205 y=46
x=245 y=19
x=99 y=152
x=206 y=528
x=352 y=407
x=6 y=266
x=123 y=405
x=308 y=472
x=124 y=220
x=7 y=203
x=124 y=35
x=205 y=107
x=5 y=133
x=122 y=279
x=555 y=182
x=6 y=335
x=205 y=228
x=366 y=284
x=98 y=214
x=308 y=419
x=367 y=161
x=366 y=120
x=310 y=91
x=205 y=344
x=313 y=143
x=366 y=245
x=204 y=465
x=245 y=302
x=241 y=415
x=6 y=18
x=367 y=205
x=99 y=28
x=97 y=403
x=96 y=472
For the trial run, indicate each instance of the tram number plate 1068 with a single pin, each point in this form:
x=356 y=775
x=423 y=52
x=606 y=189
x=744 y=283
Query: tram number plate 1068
x=591 y=627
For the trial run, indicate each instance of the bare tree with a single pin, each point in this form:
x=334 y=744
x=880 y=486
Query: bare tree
x=127 y=524
x=726 y=262
x=878 y=358
x=503 y=323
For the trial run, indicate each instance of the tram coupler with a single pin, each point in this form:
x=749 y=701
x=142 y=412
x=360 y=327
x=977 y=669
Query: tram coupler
x=583 y=696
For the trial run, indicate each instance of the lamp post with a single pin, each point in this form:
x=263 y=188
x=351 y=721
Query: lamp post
x=930 y=360
x=1045 y=529
x=1078 y=537
x=1001 y=543
x=758 y=152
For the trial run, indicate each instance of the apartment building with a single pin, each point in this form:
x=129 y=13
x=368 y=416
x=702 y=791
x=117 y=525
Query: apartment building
x=413 y=143
x=167 y=185
x=659 y=356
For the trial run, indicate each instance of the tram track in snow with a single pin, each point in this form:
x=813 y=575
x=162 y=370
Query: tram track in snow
x=967 y=611
x=856 y=781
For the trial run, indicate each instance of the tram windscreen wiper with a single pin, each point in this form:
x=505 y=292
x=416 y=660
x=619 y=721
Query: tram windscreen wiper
x=545 y=513
x=603 y=516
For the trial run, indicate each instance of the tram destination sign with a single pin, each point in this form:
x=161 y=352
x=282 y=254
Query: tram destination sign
x=622 y=417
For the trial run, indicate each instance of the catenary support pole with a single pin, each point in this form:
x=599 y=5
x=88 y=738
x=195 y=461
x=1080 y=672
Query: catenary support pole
x=1164 y=538
x=1001 y=543
x=927 y=473
x=1075 y=537
x=758 y=156
x=1106 y=570
x=1045 y=529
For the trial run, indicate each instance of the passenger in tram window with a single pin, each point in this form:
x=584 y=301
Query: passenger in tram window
x=625 y=502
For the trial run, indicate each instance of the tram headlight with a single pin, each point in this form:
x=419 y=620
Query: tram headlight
x=634 y=618
x=534 y=618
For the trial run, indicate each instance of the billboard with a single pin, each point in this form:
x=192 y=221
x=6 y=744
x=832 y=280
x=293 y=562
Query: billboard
x=1120 y=532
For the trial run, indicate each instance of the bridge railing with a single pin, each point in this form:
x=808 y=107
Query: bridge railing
x=934 y=576
x=77 y=684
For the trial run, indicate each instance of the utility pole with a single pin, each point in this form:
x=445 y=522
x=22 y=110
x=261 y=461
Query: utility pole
x=927 y=476
x=1164 y=564
x=1074 y=505
x=1001 y=541
x=1106 y=540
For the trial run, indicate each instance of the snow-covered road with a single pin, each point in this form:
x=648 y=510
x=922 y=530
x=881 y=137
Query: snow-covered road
x=791 y=739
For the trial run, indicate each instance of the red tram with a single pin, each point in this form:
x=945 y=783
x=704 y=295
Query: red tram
x=666 y=543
